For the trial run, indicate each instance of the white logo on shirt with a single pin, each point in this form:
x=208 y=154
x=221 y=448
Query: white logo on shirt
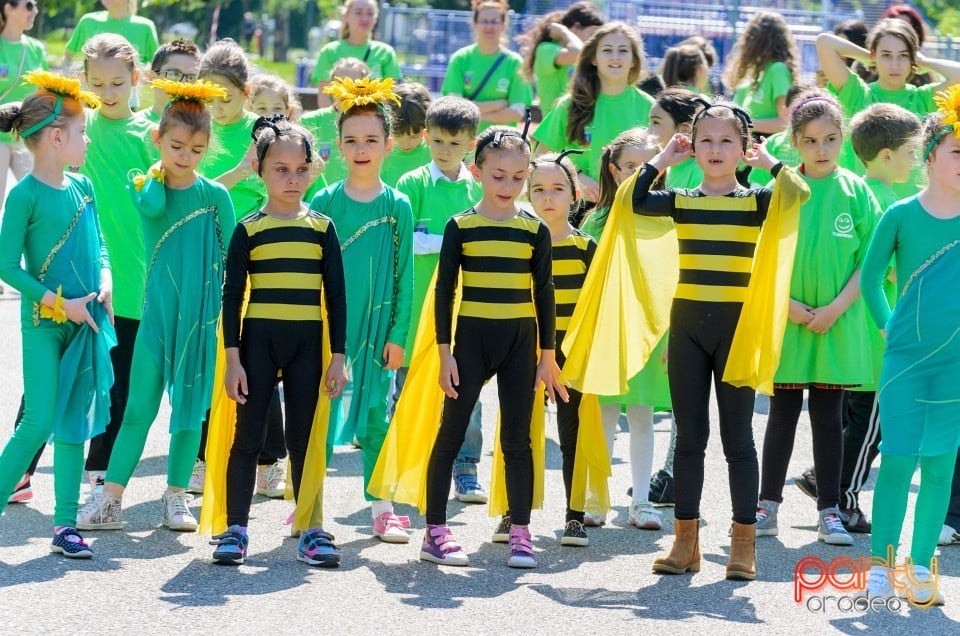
x=503 y=85
x=843 y=225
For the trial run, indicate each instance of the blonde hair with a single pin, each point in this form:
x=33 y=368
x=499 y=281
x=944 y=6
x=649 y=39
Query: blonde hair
x=260 y=83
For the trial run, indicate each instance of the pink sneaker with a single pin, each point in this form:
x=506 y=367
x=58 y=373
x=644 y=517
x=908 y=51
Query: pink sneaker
x=390 y=528
x=22 y=492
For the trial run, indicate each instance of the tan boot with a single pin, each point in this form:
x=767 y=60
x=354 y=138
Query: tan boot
x=685 y=554
x=742 y=565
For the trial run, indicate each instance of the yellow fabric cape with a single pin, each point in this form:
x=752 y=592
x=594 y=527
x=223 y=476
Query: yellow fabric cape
x=758 y=340
x=624 y=307
x=400 y=473
x=223 y=421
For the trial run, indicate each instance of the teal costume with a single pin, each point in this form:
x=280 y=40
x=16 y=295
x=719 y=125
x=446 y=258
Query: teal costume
x=66 y=367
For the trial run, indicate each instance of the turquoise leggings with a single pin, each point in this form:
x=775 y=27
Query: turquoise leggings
x=42 y=349
x=146 y=391
x=890 y=503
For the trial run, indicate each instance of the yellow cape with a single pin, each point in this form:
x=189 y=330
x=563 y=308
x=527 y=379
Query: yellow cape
x=758 y=340
x=223 y=420
x=624 y=308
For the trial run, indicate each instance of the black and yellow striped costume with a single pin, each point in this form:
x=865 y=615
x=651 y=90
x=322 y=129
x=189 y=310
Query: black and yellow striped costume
x=571 y=260
x=507 y=304
x=717 y=238
x=289 y=263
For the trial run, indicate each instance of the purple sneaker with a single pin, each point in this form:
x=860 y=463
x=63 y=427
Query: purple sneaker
x=70 y=544
x=521 y=548
x=440 y=547
x=317 y=548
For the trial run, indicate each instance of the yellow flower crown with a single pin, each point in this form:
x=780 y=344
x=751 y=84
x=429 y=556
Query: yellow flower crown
x=349 y=92
x=948 y=103
x=199 y=91
x=62 y=86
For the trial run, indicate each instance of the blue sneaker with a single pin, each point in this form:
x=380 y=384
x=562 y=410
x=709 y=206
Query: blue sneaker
x=317 y=548
x=231 y=546
x=468 y=489
x=70 y=544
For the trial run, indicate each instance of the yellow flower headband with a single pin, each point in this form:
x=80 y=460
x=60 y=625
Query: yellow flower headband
x=350 y=93
x=948 y=103
x=199 y=91
x=61 y=87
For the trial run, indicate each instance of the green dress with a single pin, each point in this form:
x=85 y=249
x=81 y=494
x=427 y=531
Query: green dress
x=379 y=57
x=433 y=201
x=836 y=224
x=138 y=31
x=34 y=57
x=612 y=115
x=228 y=145
x=468 y=66
x=650 y=387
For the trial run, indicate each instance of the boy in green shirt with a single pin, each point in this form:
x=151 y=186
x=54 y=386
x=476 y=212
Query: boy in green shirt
x=178 y=61
x=409 y=123
x=885 y=139
x=438 y=191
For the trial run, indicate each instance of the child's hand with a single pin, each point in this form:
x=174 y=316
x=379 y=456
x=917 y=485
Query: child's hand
x=76 y=310
x=589 y=189
x=392 y=356
x=800 y=313
x=549 y=373
x=758 y=157
x=336 y=376
x=679 y=149
x=449 y=374
x=236 y=378
x=245 y=169
x=823 y=319
x=105 y=297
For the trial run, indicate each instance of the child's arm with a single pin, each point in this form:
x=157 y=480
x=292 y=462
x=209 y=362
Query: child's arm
x=226 y=217
x=544 y=302
x=105 y=295
x=949 y=69
x=18 y=211
x=875 y=264
x=234 y=286
x=448 y=270
x=659 y=202
x=334 y=290
x=402 y=287
x=243 y=170
x=833 y=50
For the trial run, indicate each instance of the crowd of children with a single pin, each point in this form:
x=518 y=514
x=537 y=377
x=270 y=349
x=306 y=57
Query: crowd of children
x=385 y=256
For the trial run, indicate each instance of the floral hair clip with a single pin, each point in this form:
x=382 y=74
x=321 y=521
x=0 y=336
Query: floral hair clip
x=349 y=92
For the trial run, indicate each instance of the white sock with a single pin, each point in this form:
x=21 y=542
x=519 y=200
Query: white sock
x=640 y=419
x=380 y=506
x=610 y=417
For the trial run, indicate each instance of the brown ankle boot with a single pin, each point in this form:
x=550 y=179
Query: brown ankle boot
x=685 y=554
x=742 y=565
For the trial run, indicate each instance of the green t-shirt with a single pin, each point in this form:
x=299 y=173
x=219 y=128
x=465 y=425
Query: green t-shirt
x=34 y=57
x=551 y=80
x=836 y=224
x=857 y=94
x=228 y=145
x=399 y=163
x=685 y=175
x=612 y=115
x=433 y=203
x=780 y=147
x=117 y=151
x=760 y=98
x=140 y=32
x=379 y=57
x=469 y=66
x=322 y=124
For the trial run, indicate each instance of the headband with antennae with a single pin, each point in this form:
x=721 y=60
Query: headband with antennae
x=742 y=116
x=559 y=161
x=494 y=141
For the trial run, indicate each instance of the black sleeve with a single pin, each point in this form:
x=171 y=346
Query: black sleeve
x=543 y=293
x=656 y=203
x=334 y=290
x=234 y=285
x=591 y=252
x=765 y=195
x=448 y=270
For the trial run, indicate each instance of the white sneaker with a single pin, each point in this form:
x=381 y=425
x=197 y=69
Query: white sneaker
x=948 y=536
x=594 y=521
x=197 y=477
x=100 y=512
x=644 y=516
x=176 y=513
x=879 y=582
x=922 y=588
x=272 y=480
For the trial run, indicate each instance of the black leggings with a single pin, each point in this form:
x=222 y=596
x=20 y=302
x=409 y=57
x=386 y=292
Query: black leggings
x=98 y=456
x=700 y=337
x=273 y=447
x=266 y=347
x=568 y=430
x=484 y=348
x=825 y=407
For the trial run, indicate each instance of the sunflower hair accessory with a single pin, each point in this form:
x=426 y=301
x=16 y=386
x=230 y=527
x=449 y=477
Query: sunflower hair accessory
x=61 y=87
x=57 y=313
x=349 y=92
x=948 y=103
x=141 y=179
x=199 y=91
